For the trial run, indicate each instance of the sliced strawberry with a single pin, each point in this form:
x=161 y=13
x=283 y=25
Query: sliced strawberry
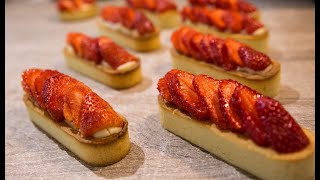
x=216 y=18
x=164 y=5
x=53 y=92
x=181 y=46
x=226 y=63
x=253 y=59
x=97 y=114
x=127 y=17
x=233 y=51
x=111 y=13
x=217 y=49
x=142 y=24
x=185 y=97
x=114 y=54
x=207 y=90
x=186 y=41
x=65 y=5
x=27 y=82
x=72 y=103
x=233 y=21
x=150 y=4
x=91 y=50
x=163 y=85
x=75 y=40
x=285 y=134
x=205 y=49
x=243 y=103
x=226 y=89
x=245 y=6
x=39 y=82
x=195 y=48
x=251 y=25
x=175 y=39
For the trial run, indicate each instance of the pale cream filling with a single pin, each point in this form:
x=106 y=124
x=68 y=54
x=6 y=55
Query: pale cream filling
x=260 y=31
x=102 y=133
x=248 y=70
x=122 y=68
x=107 y=132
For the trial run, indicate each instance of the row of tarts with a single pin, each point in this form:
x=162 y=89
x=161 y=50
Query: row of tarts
x=218 y=96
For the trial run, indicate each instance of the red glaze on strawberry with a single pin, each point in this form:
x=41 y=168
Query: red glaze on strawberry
x=243 y=103
x=27 y=82
x=185 y=97
x=39 y=82
x=53 y=92
x=251 y=25
x=234 y=5
x=253 y=59
x=158 y=6
x=73 y=99
x=91 y=50
x=98 y=49
x=163 y=85
x=225 y=91
x=207 y=90
x=285 y=134
x=228 y=54
x=129 y=18
x=97 y=114
x=221 y=19
x=114 y=54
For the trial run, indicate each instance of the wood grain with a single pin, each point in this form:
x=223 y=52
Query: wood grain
x=35 y=38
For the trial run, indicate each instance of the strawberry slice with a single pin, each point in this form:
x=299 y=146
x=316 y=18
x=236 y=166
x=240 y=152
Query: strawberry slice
x=253 y=59
x=39 y=82
x=226 y=89
x=27 y=82
x=96 y=114
x=114 y=54
x=205 y=48
x=285 y=134
x=150 y=4
x=127 y=17
x=185 y=97
x=164 y=5
x=186 y=41
x=207 y=90
x=195 y=47
x=65 y=5
x=216 y=18
x=53 y=92
x=245 y=6
x=142 y=24
x=163 y=85
x=251 y=25
x=217 y=49
x=111 y=13
x=233 y=49
x=181 y=46
x=75 y=40
x=91 y=50
x=72 y=103
x=243 y=103
x=233 y=21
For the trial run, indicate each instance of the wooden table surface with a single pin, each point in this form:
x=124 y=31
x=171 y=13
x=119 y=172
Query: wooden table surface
x=35 y=38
